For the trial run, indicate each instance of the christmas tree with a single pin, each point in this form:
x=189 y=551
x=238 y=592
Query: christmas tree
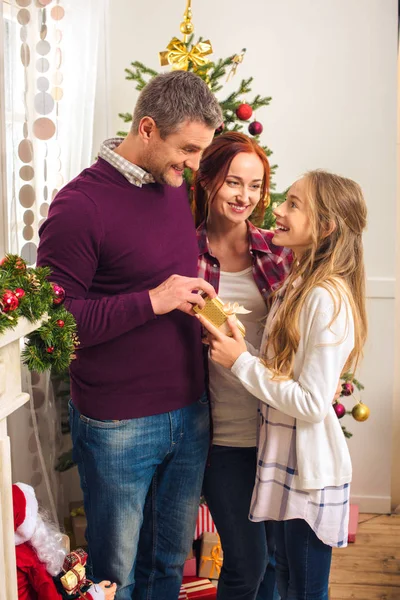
x=236 y=108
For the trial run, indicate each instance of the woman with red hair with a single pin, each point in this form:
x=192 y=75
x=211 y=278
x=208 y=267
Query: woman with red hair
x=240 y=261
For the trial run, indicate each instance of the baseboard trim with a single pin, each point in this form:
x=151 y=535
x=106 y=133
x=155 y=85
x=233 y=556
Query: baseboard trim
x=372 y=504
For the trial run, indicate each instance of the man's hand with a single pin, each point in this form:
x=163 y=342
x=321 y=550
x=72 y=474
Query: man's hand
x=224 y=350
x=178 y=292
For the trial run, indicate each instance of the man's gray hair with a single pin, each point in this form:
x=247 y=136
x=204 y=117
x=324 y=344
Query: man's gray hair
x=175 y=97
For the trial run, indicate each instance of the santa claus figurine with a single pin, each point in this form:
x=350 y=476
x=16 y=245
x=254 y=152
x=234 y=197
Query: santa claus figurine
x=40 y=554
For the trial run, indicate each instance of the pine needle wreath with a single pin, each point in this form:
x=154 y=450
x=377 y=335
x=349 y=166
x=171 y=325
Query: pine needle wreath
x=27 y=292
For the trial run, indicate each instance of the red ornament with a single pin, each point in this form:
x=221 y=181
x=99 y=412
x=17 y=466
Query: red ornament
x=244 y=112
x=255 y=128
x=220 y=129
x=3 y=261
x=347 y=389
x=339 y=409
x=50 y=349
x=10 y=301
x=19 y=292
x=59 y=294
x=60 y=323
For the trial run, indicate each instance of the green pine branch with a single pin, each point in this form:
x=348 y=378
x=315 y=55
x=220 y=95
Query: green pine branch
x=346 y=432
x=65 y=462
x=140 y=73
x=260 y=101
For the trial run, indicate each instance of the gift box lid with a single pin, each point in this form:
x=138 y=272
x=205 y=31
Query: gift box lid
x=198 y=587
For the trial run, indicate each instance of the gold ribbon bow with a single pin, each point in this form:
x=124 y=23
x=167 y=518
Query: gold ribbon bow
x=216 y=558
x=178 y=56
x=234 y=308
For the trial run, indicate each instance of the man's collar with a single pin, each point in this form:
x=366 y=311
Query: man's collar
x=133 y=173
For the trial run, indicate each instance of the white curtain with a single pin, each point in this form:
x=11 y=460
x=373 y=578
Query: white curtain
x=55 y=55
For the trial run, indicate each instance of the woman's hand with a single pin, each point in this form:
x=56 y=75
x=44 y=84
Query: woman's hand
x=224 y=350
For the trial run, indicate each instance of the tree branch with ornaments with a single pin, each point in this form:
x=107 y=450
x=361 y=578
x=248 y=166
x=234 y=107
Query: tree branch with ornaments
x=27 y=292
x=360 y=411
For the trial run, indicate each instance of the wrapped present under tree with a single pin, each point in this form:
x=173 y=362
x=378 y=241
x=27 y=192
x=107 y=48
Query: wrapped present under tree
x=211 y=556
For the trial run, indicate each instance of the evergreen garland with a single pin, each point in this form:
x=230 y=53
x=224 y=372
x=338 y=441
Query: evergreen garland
x=26 y=292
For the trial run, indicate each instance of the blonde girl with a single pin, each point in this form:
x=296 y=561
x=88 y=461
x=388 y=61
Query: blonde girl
x=315 y=331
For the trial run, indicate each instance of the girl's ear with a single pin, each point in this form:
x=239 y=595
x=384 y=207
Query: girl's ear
x=329 y=228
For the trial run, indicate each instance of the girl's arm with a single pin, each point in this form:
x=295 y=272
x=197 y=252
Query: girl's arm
x=326 y=350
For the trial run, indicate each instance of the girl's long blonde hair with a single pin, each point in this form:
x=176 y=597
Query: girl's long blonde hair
x=332 y=260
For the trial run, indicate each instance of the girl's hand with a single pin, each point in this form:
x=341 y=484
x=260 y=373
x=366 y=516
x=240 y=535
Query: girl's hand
x=224 y=350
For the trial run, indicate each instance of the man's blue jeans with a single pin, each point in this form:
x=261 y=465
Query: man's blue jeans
x=303 y=562
x=146 y=471
x=248 y=571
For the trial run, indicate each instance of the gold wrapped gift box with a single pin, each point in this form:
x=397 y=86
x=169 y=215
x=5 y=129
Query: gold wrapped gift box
x=211 y=556
x=73 y=577
x=217 y=312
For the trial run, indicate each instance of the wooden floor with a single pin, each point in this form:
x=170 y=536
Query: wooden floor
x=369 y=569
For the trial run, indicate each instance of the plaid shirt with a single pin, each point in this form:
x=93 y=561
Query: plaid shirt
x=134 y=174
x=277 y=494
x=271 y=263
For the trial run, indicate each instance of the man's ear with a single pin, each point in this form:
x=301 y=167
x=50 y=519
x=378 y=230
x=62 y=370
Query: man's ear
x=147 y=128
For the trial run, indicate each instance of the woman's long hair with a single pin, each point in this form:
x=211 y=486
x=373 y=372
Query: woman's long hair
x=334 y=261
x=213 y=170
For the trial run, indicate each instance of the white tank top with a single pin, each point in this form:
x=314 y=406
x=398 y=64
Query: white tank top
x=234 y=409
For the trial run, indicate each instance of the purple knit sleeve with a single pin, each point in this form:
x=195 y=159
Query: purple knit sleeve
x=70 y=243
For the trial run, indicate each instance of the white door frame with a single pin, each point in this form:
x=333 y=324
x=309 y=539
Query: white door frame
x=3 y=165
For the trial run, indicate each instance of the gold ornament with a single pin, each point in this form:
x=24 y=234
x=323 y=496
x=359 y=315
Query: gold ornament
x=178 y=56
x=187 y=27
x=236 y=60
x=360 y=412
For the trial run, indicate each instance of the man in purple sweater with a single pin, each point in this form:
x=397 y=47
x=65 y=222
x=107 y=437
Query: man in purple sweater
x=120 y=239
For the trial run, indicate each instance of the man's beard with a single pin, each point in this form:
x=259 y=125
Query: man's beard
x=161 y=173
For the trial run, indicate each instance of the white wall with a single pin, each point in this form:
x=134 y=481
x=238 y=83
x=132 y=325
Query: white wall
x=330 y=67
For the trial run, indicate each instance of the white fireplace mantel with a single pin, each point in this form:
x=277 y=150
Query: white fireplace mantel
x=11 y=398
